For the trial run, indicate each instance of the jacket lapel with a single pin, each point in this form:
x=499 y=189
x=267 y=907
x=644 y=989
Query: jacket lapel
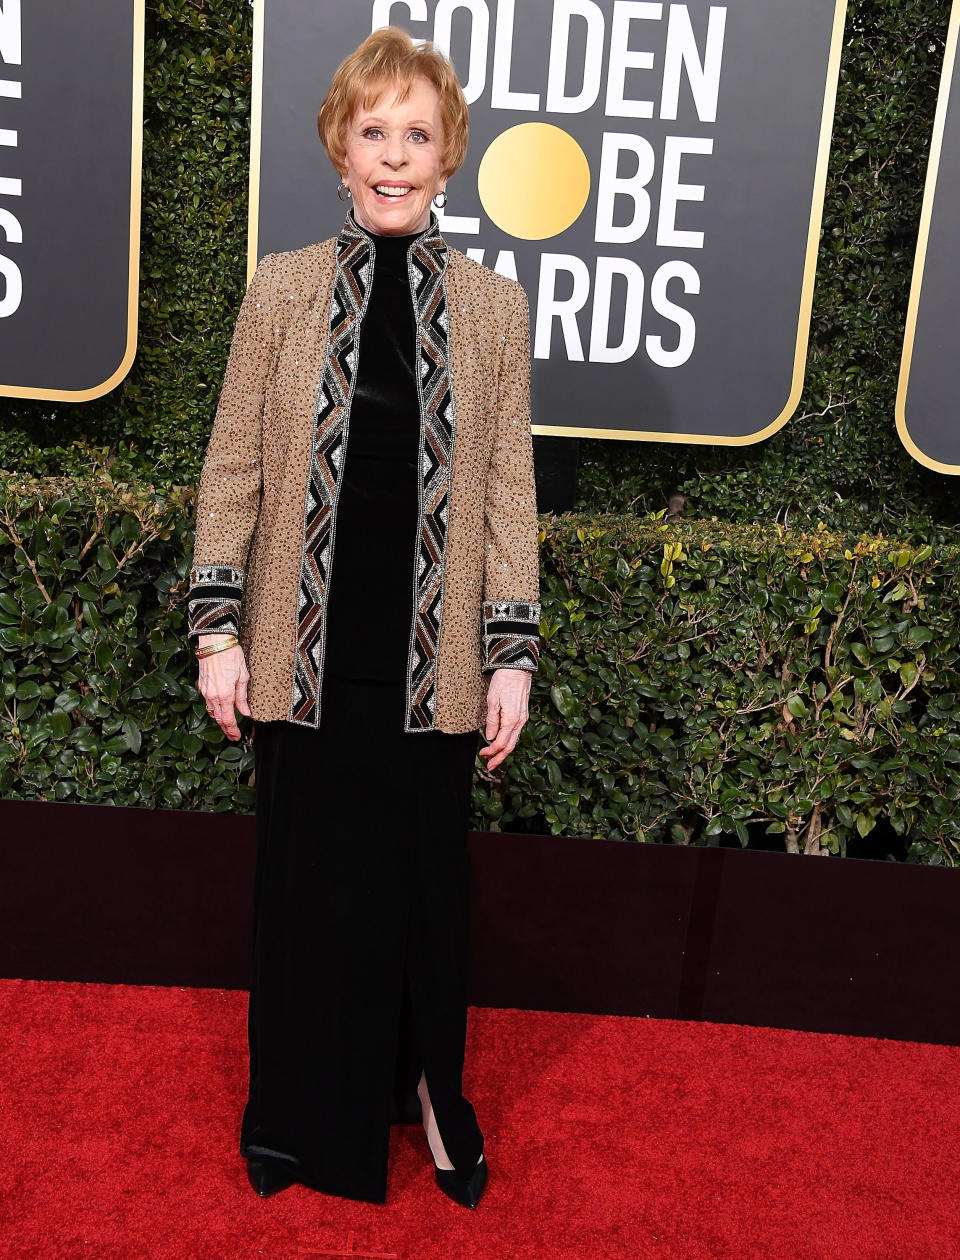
x=428 y=267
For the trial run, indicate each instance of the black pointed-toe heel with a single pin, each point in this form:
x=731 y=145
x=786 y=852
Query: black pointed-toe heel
x=466 y=1193
x=269 y=1176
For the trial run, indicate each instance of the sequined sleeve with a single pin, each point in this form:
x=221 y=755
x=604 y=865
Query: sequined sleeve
x=511 y=608
x=229 y=497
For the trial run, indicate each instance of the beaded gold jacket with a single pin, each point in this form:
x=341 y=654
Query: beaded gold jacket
x=267 y=504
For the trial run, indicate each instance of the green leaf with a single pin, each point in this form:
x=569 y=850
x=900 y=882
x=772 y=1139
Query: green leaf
x=796 y=706
x=563 y=700
x=83 y=739
x=59 y=724
x=865 y=823
x=131 y=734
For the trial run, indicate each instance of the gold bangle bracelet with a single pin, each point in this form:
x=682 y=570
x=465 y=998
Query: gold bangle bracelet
x=209 y=650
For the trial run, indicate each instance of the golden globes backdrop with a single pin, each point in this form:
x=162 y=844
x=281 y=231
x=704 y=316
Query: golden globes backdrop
x=71 y=110
x=928 y=419
x=651 y=173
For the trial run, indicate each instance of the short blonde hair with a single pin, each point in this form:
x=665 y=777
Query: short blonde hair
x=389 y=56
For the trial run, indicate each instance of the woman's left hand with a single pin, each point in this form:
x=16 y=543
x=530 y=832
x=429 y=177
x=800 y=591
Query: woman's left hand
x=507 y=711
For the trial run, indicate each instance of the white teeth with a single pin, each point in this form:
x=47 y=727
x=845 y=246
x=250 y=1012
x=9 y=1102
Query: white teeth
x=389 y=190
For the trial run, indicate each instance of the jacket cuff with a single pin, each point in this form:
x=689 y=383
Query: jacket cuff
x=213 y=601
x=511 y=634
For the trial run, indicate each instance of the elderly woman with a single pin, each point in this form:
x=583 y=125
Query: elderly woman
x=365 y=587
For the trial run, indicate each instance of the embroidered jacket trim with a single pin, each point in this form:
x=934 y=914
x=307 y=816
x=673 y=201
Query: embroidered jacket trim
x=216 y=593
x=511 y=634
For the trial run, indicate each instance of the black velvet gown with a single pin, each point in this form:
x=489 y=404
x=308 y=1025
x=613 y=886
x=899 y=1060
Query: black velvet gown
x=362 y=871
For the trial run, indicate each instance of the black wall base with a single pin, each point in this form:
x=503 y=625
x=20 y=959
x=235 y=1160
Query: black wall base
x=133 y=896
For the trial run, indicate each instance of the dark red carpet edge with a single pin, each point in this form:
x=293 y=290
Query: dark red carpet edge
x=606 y=1137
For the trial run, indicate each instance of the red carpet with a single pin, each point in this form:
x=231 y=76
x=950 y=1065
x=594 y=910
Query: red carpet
x=606 y=1137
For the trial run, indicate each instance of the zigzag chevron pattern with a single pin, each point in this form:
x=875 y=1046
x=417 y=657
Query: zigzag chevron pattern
x=426 y=268
x=213 y=605
x=511 y=634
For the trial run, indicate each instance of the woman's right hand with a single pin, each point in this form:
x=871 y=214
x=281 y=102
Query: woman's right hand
x=223 y=685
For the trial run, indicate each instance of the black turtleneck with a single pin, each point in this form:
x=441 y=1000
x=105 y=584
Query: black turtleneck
x=370 y=596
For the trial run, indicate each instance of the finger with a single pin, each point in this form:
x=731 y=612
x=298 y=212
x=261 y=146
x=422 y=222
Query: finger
x=495 y=745
x=241 y=697
x=502 y=756
x=506 y=741
x=501 y=744
x=222 y=704
x=217 y=705
x=509 y=727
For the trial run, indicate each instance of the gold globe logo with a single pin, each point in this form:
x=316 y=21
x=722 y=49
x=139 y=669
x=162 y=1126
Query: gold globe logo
x=534 y=181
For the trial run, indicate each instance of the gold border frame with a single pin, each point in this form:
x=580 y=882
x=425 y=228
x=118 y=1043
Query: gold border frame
x=133 y=263
x=256 y=120
x=920 y=258
x=809 y=267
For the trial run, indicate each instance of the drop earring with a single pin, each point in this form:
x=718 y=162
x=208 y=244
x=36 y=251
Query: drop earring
x=440 y=204
x=343 y=192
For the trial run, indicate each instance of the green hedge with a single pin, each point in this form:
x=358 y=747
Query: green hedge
x=698 y=681
x=99 y=702
x=839 y=460
x=709 y=678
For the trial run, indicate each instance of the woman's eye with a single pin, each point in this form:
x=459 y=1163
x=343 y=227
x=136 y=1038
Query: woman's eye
x=376 y=133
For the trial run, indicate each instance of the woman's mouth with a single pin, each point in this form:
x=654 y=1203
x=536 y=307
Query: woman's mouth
x=392 y=192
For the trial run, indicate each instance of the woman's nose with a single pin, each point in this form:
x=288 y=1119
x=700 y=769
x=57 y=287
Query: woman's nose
x=394 y=153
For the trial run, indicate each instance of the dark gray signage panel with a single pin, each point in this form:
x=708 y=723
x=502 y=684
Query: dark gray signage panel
x=71 y=109
x=652 y=173
x=928 y=417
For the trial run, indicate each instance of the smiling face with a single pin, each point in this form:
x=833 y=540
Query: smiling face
x=394 y=155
